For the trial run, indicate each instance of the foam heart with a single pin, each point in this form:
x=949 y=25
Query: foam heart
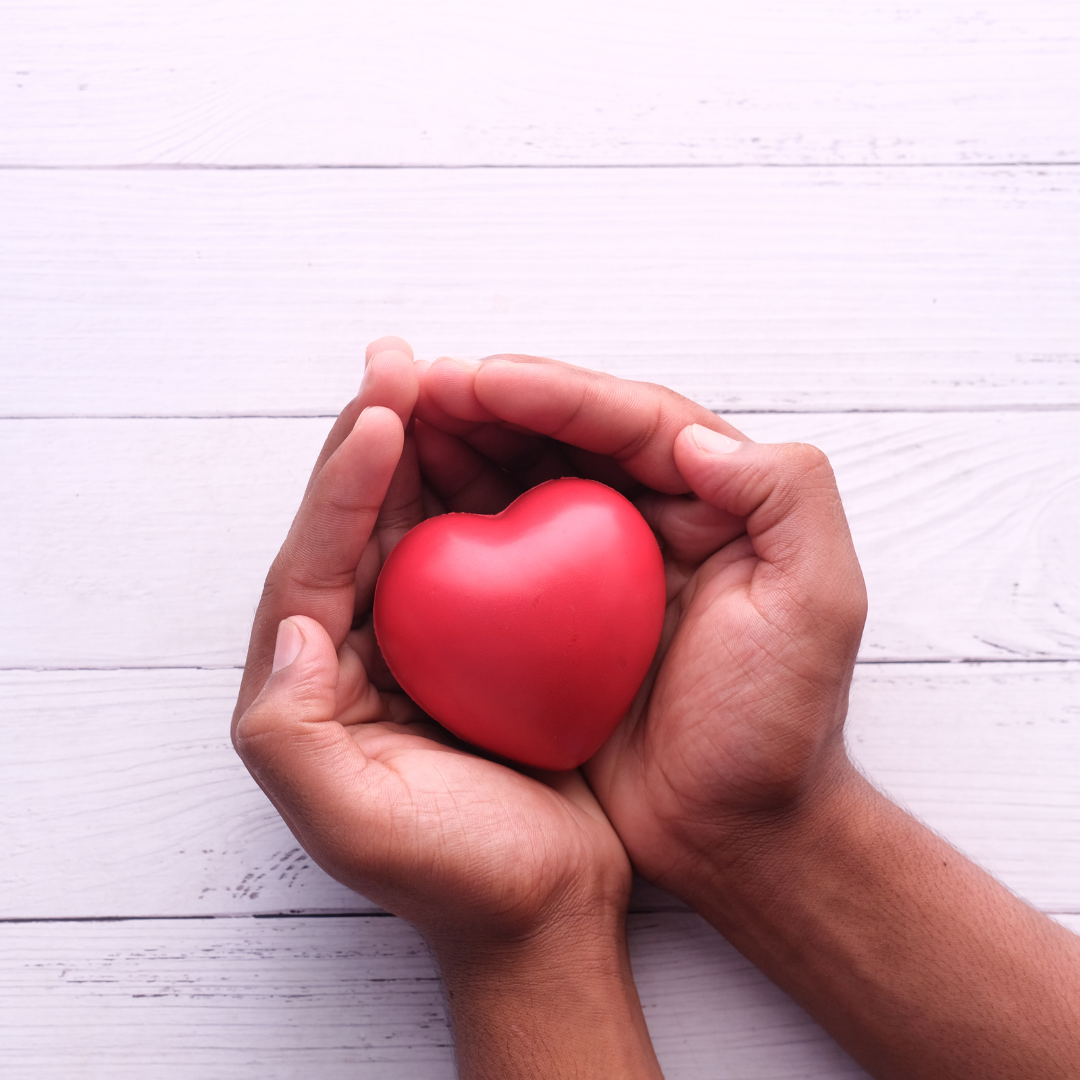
x=528 y=632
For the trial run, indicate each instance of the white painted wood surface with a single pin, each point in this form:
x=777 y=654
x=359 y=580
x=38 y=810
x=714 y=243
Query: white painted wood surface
x=144 y=542
x=128 y=776
x=285 y=999
x=605 y=82
x=302 y=997
x=866 y=213
x=224 y=293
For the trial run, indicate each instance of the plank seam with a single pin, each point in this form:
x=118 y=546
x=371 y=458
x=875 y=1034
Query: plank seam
x=956 y=661
x=523 y=166
x=929 y=410
x=328 y=915
x=199 y=918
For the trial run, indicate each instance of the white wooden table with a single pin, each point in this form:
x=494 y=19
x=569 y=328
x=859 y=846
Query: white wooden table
x=851 y=223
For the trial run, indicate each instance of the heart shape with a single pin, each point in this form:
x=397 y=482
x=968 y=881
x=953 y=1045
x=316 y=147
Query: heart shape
x=529 y=632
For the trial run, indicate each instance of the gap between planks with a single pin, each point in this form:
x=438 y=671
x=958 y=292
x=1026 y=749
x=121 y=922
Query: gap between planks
x=1012 y=163
x=973 y=661
x=1036 y=407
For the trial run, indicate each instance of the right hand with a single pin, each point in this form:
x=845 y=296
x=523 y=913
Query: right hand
x=739 y=723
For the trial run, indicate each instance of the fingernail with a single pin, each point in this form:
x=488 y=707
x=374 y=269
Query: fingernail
x=472 y=364
x=289 y=643
x=712 y=442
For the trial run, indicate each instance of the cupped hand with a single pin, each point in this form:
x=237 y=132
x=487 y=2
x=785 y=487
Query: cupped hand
x=740 y=720
x=380 y=796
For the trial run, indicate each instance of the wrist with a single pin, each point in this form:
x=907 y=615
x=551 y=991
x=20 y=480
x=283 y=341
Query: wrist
x=728 y=858
x=556 y=1002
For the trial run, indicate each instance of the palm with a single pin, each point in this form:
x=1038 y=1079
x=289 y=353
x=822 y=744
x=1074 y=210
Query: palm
x=699 y=740
x=479 y=836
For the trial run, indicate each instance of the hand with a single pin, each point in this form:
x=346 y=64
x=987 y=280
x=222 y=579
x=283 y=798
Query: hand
x=518 y=881
x=741 y=717
x=728 y=781
x=383 y=798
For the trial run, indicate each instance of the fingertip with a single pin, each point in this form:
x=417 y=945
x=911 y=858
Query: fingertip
x=391 y=380
x=388 y=343
x=299 y=691
x=379 y=420
x=388 y=365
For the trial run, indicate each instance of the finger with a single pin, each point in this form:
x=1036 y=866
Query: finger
x=794 y=518
x=465 y=481
x=390 y=380
x=307 y=763
x=529 y=458
x=450 y=388
x=446 y=397
x=363 y=642
x=314 y=573
x=286 y=732
x=689 y=528
x=634 y=423
x=390 y=343
x=402 y=508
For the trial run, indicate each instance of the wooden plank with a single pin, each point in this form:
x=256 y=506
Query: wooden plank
x=135 y=803
x=122 y=796
x=274 y=998
x=145 y=542
x=989 y=756
x=221 y=293
x=117 y=81
x=285 y=998
x=967 y=541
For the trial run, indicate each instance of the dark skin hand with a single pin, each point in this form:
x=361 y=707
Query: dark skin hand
x=746 y=621
x=728 y=782
x=518 y=881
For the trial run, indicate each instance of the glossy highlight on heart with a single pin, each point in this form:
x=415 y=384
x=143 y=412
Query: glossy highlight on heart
x=529 y=632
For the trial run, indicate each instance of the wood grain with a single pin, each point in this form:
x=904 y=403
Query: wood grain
x=145 y=542
x=840 y=81
x=285 y=998
x=123 y=797
x=227 y=293
x=279 y=999
x=986 y=754
x=855 y=206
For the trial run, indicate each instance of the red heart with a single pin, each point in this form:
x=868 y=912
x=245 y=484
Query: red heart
x=527 y=632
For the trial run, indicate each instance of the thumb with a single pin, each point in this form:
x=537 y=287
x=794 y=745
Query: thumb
x=794 y=516
x=283 y=737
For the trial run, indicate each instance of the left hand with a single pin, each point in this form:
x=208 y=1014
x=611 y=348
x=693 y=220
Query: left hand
x=382 y=798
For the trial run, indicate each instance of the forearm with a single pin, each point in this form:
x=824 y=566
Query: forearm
x=559 y=1006
x=919 y=963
